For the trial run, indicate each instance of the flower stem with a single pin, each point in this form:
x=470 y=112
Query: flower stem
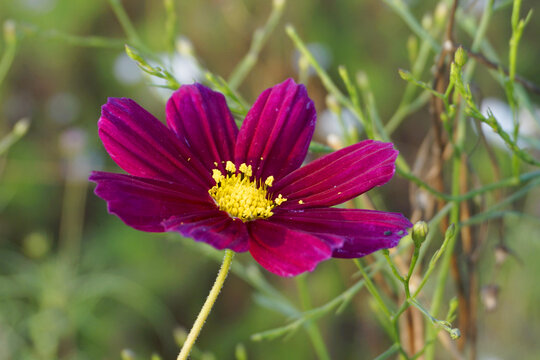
x=207 y=307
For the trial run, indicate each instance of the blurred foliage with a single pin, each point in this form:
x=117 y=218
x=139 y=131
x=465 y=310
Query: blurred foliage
x=75 y=283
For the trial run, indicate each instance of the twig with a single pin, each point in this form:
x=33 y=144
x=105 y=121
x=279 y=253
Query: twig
x=482 y=59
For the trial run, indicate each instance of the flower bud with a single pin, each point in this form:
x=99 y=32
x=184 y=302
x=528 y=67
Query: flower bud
x=450 y=232
x=460 y=57
x=455 y=334
x=419 y=233
x=405 y=75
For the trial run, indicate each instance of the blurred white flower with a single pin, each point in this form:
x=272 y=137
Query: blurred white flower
x=39 y=6
x=72 y=144
x=320 y=52
x=63 y=107
x=332 y=129
x=528 y=128
x=184 y=68
x=182 y=65
x=126 y=70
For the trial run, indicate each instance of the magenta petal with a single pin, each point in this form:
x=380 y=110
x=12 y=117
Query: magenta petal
x=363 y=231
x=141 y=145
x=339 y=176
x=145 y=204
x=275 y=135
x=284 y=251
x=203 y=122
x=215 y=228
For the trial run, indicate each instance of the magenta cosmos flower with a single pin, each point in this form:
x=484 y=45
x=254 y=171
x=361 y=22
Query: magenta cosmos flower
x=243 y=189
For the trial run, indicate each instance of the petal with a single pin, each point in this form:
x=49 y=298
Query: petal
x=145 y=204
x=213 y=227
x=284 y=251
x=275 y=135
x=203 y=122
x=363 y=231
x=141 y=145
x=338 y=177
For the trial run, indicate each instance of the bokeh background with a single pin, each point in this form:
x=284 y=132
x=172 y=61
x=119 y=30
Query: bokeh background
x=76 y=283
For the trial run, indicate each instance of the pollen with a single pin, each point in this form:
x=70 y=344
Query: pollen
x=243 y=196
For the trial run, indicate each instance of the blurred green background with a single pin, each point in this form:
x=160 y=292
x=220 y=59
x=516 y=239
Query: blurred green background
x=76 y=283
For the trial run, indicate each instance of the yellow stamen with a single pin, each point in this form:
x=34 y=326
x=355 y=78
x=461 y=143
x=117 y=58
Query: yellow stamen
x=269 y=181
x=280 y=200
x=246 y=170
x=230 y=167
x=241 y=196
x=216 y=175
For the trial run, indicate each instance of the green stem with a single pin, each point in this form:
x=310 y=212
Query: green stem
x=85 y=41
x=386 y=254
x=311 y=328
x=171 y=24
x=403 y=11
x=207 y=307
x=19 y=130
x=511 y=181
x=127 y=25
x=260 y=36
x=8 y=55
x=372 y=289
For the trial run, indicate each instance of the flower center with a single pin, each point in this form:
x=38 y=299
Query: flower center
x=242 y=197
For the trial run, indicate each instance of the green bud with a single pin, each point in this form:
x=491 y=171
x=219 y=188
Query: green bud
x=455 y=334
x=419 y=233
x=405 y=75
x=450 y=232
x=132 y=53
x=460 y=57
x=156 y=357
